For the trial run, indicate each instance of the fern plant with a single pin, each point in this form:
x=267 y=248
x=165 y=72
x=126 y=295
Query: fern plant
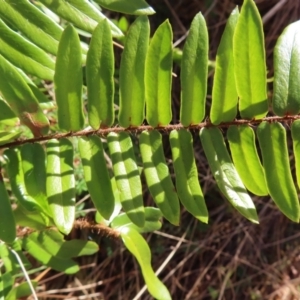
x=40 y=169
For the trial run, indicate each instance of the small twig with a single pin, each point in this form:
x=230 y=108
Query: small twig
x=100 y=229
x=139 y=129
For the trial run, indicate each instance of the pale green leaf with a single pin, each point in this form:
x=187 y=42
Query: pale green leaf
x=245 y=157
x=224 y=94
x=225 y=174
x=136 y=244
x=100 y=78
x=194 y=73
x=187 y=181
x=60 y=183
x=127 y=176
x=158 y=76
x=250 y=63
x=24 y=54
x=68 y=81
x=132 y=71
x=152 y=221
x=158 y=176
x=21 y=99
x=286 y=94
x=133 y=7
x=276 y=162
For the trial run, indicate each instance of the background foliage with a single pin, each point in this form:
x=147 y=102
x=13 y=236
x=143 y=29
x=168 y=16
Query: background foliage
x=37 y=128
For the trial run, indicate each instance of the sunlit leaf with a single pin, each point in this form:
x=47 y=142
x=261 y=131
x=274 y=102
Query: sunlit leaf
x=136 y=244
x=132 y=71
x=194 y=73
x=276 y=162
x=100 y=78
x=127 y=176
x=224 y=94
x=158 y=76
x=68 y=81
x=133 y=7
x=286 y=94
x=250 y=62
x=60 y=184
x=152 y=221
x=21 y=99
x=225 y=174
x=158 y=176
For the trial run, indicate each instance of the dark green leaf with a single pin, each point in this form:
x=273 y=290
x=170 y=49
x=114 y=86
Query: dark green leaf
x=7 y=220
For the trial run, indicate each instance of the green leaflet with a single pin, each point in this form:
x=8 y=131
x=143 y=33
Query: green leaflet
x=245 y=158
x=158 y=176
x=250 y=63
x=17 y=181
x=24 y=54
x=94 y=13
x=225 y=173
x=194 y=73
x=80 y=13
x=55 y=244
x=296 y=147
x=158 y=76
x=60 y=183
x=21 y=99
x=132 y=71
x=7 y=116
x=7 y=220
x=272 y=141
x=68 y=81
x=187 y=182
x=117 y=206
x=10 y=261
x=23 y=290
x=40 y=29
x=34 y=168
x=224 y=94
x=6 y=284
x=43 y=254
x=6 y=136
x=127 y=176
x=132 y=7
x=139 y=248
x=152 y=221
x=96 y=175
x=34 y=220
x=100 y=78
x=286 y=94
